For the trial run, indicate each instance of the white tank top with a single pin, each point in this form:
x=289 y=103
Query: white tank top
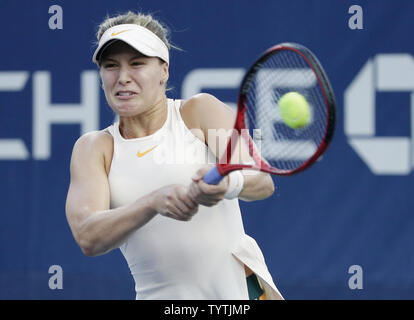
x=171 y=259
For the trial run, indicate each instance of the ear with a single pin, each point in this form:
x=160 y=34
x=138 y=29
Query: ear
x=165 y=73
x=100 y=78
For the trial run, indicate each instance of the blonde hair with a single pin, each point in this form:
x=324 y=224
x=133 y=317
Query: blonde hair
x=141 y=19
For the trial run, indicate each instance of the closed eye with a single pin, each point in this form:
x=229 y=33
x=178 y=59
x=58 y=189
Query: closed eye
x=109 y=65
x=136 y=63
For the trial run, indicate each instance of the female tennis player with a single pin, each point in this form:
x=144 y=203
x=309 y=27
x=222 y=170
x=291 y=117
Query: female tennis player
x=137 y=185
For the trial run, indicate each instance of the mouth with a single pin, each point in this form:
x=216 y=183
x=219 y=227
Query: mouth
x=125 y=94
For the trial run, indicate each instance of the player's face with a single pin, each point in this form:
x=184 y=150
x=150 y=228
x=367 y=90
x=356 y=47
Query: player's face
x=133 y=83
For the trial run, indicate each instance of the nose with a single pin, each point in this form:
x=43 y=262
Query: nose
x=124 y=76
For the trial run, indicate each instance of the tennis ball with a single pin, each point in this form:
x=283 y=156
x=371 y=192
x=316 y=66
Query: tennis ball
x=294 y=110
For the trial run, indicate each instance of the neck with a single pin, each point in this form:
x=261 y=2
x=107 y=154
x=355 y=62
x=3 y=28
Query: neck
x=146 y=123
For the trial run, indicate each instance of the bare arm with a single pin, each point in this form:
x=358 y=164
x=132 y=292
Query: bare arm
x=212 y=116
x=97 y=228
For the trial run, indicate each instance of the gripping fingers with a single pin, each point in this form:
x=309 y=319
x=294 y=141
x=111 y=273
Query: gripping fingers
x=180 y=206
x=175 y=216
x=186 y=204
x=177 y=213
x=208 y=195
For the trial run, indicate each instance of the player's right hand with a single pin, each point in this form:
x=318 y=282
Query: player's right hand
x=173 y=201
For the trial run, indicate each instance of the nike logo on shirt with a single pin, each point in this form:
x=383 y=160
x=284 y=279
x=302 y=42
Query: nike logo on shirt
x=141 y=154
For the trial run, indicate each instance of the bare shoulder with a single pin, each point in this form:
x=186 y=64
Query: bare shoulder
x=94 y=141
x=205 y=111
x=203 y=103
x=95 y=146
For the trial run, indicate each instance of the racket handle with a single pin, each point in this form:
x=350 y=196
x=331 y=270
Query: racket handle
x=212 y=176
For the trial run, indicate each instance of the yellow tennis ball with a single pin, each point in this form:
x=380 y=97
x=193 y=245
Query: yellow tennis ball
x=294 y=110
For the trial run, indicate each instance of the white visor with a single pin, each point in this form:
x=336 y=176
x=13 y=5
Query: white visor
x=139 y=38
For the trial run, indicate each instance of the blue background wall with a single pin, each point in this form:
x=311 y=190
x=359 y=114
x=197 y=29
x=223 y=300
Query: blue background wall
x=318 y=224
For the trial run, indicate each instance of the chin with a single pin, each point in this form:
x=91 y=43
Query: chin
x=128 y=111
x=122 y=112
x=124 y=107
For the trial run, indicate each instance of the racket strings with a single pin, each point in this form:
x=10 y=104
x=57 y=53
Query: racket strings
x=282 y=146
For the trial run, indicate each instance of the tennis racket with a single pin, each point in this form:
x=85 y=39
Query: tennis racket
x=272 y=145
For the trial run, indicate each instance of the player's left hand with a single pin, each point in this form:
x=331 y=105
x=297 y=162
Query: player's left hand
x=206 y=194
